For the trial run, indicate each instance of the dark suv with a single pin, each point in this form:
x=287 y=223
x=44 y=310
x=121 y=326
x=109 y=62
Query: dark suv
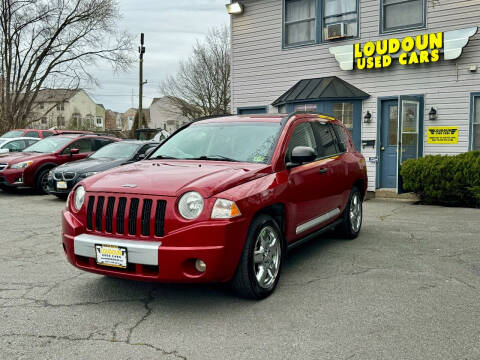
x=219 y=201
x=30 y=167
x=63 y=178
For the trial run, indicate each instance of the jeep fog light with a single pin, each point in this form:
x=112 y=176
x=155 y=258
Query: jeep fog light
x=200 y=265
x=79 y=198
x=225 y=209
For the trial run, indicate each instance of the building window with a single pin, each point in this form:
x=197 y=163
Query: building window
x=402 y=14
x=476 y=123
x=41 y=106
x=44 y=120
x=300 y=22
x=60 y=106
x=305 y=107
x=99 y=121
x=344 y=113
x=340 y=19
x=60 y=121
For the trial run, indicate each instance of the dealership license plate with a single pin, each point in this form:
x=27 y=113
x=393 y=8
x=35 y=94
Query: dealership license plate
x=61 y=185
x=111 y=255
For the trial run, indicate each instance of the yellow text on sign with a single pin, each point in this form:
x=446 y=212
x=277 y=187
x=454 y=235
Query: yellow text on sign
x=442 y=135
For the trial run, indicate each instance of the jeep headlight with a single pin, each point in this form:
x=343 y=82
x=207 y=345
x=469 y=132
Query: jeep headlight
x=190 y=205
x=79 y=198
x=225 y=209
x=21 y=165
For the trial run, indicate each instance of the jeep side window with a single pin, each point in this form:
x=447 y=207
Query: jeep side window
x=302 y=136
x=342 y=137
x=326 y=139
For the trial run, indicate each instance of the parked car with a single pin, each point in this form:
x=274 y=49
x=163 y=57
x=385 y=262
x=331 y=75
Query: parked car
x=219 y=201
x=151 y=134
x=8 y=145
x=40 y=133
x=63 y=178
x=30 y=168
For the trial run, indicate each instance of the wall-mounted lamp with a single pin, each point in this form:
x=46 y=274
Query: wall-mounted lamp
x=432 y=115
x=367 y=118
x=235 y=8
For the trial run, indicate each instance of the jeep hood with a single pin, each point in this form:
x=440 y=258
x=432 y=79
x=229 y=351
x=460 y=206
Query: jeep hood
x=174 y=177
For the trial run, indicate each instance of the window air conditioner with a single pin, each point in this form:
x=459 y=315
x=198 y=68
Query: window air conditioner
x=336 y=31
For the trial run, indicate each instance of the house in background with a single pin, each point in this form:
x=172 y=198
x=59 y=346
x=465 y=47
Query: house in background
x=64 y=108
x=113 y=120
x=166 y=115
x=128 y=118
x=100 y=117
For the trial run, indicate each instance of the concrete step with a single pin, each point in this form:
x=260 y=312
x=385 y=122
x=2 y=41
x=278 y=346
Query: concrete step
x=391 y=194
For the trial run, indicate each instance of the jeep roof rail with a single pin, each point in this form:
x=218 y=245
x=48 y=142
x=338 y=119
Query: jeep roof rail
x=292 y=114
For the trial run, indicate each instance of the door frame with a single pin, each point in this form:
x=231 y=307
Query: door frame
x=473 y=95
x=421 y=138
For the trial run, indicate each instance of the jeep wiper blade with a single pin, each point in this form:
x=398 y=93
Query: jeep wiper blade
x=161 y=157
x=214 y=158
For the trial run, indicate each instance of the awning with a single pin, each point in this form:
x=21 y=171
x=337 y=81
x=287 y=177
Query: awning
x=326 y=88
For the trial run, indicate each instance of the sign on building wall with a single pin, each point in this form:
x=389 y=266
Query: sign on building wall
x=442 y=135
x=419 y=49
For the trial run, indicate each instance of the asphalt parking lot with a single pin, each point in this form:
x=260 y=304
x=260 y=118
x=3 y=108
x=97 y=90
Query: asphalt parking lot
x=407 y=288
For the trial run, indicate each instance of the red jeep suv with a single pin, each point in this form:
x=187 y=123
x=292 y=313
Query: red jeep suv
x=219 y=201
x=30 y=167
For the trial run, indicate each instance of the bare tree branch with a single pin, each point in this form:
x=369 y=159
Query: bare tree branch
x=46 y=42
x=201 y=87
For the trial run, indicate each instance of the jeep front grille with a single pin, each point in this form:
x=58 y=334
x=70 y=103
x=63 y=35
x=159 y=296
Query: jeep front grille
x=122 y=215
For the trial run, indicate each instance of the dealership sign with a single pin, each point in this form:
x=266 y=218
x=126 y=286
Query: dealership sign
x=420 y=49
x=442 y=135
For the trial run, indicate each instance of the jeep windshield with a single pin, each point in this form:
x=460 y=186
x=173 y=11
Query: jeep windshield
x=252 y=142
x=49 y=145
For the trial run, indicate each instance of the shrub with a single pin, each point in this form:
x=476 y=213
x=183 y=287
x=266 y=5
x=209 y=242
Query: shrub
x=443 y=179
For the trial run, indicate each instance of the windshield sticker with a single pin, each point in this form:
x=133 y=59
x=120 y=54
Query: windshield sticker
x=258 y=159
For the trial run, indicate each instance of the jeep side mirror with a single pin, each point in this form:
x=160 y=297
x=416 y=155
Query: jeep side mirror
x=74 y=151
x=301 y=155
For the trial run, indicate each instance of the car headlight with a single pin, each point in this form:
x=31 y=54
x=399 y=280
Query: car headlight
x=190 y=205
x=225 y=209
x=87 y=174
x=79 y=198
x=21 y=165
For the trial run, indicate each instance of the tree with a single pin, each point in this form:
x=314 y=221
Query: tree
x=52 y=44
x=201 y=86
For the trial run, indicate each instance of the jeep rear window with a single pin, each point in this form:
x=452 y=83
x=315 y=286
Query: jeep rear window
x=49 y=145
x=252 y=142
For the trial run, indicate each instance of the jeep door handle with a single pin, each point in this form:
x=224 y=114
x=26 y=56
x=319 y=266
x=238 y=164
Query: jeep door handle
x=323 y=171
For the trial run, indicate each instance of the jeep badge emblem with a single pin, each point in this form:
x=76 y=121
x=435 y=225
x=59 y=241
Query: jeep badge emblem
x=129 y=186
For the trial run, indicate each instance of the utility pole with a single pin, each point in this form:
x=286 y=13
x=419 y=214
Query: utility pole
x=141 y=50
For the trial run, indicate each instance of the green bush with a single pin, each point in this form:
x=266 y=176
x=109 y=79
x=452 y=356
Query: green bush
x=443 y=179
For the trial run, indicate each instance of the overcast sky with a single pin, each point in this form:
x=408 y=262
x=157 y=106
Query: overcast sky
x=171 y=28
